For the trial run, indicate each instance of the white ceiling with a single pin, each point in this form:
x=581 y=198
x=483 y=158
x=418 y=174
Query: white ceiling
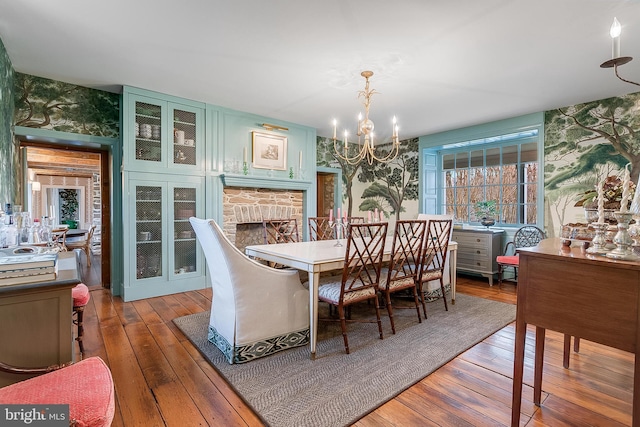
x=438 y=65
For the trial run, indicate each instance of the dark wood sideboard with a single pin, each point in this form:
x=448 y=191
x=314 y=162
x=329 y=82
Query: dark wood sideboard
x=587 y=296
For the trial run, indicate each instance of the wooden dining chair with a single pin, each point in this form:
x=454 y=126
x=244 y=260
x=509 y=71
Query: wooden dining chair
x=84 y=244
x=284 y=230
x=360 y=274
x=402 y=273
x=59 y=238
x=434 y=257
x=320 y=228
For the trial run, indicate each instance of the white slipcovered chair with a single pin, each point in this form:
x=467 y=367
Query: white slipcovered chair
x=256 y=310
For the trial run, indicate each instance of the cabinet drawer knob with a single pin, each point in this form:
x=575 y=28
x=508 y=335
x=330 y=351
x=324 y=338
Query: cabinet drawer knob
x=478 y=240
x=477 y=252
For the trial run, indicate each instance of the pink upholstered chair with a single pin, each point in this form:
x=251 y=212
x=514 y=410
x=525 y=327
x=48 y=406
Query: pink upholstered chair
x=86 y=386
x=81 y=297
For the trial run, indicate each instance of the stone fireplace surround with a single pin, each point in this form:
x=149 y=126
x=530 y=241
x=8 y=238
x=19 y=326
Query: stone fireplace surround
x=244 y=209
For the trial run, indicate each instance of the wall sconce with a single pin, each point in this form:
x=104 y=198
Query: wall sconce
x=615 y=31
x=268 y=126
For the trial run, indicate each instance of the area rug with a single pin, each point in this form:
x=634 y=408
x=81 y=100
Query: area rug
x=289 y=389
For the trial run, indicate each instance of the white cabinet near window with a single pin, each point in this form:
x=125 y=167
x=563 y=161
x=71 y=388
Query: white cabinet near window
x=478 y=249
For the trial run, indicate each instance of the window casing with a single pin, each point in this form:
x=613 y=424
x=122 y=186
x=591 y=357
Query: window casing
x=502 y=168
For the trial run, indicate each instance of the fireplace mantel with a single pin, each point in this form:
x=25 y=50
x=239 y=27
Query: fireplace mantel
x=249 y=181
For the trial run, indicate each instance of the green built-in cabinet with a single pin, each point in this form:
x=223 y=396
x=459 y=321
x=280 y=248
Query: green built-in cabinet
x=174 y=150
x=161 y=253
x=164 y=179
x=164 y=136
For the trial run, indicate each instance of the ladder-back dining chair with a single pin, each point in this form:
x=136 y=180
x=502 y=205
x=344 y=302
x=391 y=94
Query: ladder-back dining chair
x=402 y=273
x=434 y=257
x=284 y=230
x=360 y=274
x=320 y=228
x=525 y=237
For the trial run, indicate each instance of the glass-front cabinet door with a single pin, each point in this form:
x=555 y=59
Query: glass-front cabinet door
x=185 y=253
x=162 y=255
x=187 y=138
x=149 y=231
x=148 y=129
x=161 y=135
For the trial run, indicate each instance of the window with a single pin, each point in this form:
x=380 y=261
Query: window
x=502 y=168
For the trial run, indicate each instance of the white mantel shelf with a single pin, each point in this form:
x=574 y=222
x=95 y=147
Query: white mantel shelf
x=250 y=181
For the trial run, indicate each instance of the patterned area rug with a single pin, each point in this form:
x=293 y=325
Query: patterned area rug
x=289 y=389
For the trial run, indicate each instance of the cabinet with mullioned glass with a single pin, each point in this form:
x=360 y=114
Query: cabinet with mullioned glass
x=161 y=251
x=163 y=132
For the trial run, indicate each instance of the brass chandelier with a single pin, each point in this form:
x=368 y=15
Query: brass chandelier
x=367 y=149
x=614 y=32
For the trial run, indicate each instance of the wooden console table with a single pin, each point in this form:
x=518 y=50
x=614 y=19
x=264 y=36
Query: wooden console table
x=587 y=296
x=36 y=326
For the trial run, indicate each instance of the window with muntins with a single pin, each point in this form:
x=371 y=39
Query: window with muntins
x=501 y=168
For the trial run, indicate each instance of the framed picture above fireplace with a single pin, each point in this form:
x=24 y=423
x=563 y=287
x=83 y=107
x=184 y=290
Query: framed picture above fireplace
x=269 y=151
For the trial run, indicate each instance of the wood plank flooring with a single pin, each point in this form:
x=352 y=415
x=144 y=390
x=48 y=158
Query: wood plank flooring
x=162 y=380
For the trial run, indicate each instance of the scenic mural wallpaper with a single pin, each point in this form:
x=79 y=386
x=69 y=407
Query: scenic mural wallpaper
x=7 y=190
x=64 y=107
x=585 y=144
x=389 y=187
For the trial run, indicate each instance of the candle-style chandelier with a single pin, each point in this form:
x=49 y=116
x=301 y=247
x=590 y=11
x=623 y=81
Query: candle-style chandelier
x=617 y=60
x=367 y=149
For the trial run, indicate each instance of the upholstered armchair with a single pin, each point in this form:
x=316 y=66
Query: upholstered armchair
x=256 y=310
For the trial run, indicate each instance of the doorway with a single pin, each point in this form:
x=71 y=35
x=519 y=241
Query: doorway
x=53 y=172
x=326 y=192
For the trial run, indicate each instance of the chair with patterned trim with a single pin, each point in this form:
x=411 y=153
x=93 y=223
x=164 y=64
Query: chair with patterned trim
x=256 y=310
x=434 y=257
x=525 y=237
x=360 y=275
x=86 y=386
x=402 y=273
x=320 y=228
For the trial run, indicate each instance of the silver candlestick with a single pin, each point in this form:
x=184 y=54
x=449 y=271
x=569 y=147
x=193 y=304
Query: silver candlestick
x=622 y=239
x=340 y=224
x=599 y=242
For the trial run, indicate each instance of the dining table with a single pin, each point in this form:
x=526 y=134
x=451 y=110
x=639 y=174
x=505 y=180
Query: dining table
x=320 y=256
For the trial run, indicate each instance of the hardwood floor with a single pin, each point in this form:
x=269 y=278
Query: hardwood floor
x=162 y=380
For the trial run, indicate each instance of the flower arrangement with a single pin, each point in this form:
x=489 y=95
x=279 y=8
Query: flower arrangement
x=613 y=187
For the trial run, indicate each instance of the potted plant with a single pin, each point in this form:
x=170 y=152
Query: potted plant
x=486 y=211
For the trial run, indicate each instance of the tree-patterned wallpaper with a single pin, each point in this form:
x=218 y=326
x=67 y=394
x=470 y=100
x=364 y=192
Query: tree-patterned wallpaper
x=6 y=135
x=584 y=144
x=64 y=107
x=389 y=187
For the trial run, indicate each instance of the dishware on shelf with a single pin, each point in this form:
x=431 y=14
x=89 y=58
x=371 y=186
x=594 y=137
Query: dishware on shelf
x=155 y=131
x=144 y=236
x=189 y=142
x=178 y=137
x=145 y=131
